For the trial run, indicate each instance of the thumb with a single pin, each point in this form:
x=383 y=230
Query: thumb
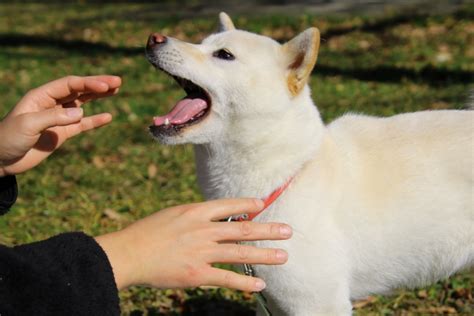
x=37 y=122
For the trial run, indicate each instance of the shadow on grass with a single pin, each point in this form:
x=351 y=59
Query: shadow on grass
x=429 y=74
x=213 y=307
x=376 y=26
x=381 y=24
x=17 y=40
x=205 y=306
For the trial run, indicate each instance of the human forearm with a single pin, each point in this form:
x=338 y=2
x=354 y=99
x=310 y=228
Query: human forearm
x=66 y=274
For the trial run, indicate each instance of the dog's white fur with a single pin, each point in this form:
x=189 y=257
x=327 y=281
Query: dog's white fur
x=375 y=203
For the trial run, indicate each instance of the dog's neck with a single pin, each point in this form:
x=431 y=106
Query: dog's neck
x=260 y=154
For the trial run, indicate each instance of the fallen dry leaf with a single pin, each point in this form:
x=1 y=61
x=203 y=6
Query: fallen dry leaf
x=98 y=162
x=422 y=294
x=436 y=310
x=114 y=215
x=362 y=303
x=152 y=170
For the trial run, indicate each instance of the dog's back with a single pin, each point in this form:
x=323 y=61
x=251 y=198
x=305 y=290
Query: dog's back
x=408 y=147
x=409 y=185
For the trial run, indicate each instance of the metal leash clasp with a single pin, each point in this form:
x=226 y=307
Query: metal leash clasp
x=249 y=271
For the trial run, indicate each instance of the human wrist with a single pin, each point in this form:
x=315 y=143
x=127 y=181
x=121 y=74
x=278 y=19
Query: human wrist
x=5 y=150
x=2 y=151
x=116 y=246
x=3 y=165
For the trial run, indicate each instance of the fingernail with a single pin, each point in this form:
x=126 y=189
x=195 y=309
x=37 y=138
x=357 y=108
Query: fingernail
x=74 y=112
x=281 y=255
x=259 y=285
x=286 y=230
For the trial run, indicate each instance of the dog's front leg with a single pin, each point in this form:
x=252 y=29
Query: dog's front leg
x=315 y=280
x=344 y=309
x=329 y=300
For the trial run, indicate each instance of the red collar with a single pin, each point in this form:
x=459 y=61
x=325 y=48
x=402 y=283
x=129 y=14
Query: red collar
x=267 y=202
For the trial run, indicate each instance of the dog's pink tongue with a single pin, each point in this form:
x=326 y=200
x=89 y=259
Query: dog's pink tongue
x=182 y=112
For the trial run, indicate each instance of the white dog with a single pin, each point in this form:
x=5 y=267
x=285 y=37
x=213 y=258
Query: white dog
x=375 y=203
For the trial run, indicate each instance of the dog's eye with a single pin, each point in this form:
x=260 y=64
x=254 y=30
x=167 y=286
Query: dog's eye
x=223 y=54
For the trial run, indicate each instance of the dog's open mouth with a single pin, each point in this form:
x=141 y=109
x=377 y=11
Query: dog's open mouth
x=190 y=110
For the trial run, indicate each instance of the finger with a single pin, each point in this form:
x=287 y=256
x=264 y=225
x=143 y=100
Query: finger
x=84 y=98
x=75 y=103
x=250 y=231
x=237 y=253
x=233 y=280
x=48 y=94
x=70 y=98
x=94 y=96
x=112 y=81
x=36 y=122
x=220 y=209
x=88 y=123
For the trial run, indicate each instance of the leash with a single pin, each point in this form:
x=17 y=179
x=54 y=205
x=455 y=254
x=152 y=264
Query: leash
x=266 y=203
x=248 y=269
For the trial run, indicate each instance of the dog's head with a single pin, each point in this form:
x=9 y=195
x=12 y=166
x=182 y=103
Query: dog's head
x=231 y=78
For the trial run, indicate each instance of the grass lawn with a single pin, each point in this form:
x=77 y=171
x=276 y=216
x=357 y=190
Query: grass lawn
x=101 y=181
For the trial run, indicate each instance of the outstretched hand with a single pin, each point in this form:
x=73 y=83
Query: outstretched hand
x=176 y=247
x=49 y=115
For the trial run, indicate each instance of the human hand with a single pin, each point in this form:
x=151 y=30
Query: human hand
x=176 y=247
x=49 y=115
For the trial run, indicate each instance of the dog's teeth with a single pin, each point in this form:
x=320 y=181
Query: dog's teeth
x=167 y=121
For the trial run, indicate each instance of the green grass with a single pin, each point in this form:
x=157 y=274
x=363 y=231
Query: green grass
x=379 y=65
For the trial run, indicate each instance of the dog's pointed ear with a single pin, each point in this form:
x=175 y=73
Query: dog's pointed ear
x=301 y=54
x=226 y=23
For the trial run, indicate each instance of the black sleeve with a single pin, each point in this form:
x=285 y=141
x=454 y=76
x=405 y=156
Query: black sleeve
x=68 y=274
x=8 y=193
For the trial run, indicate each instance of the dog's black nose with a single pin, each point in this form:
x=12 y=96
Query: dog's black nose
x=156 y=39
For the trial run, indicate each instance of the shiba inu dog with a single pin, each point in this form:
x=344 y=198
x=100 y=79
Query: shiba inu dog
x=375 y=203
